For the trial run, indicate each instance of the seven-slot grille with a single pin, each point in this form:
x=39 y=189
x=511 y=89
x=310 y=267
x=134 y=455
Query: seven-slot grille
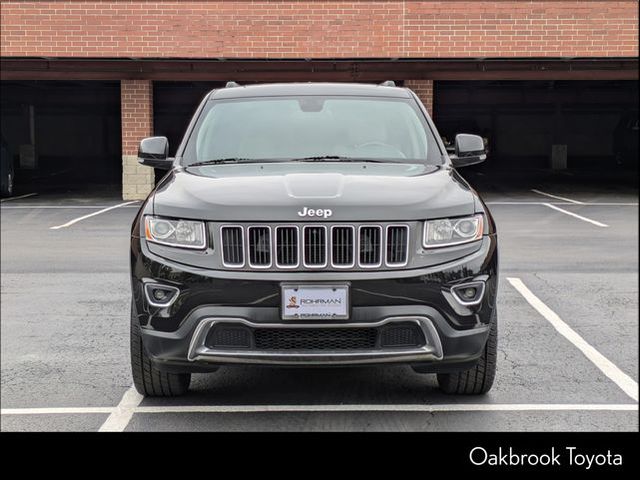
x=314 y=246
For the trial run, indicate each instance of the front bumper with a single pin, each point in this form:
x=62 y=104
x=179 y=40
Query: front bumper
x=175 y=337
x=430 y=349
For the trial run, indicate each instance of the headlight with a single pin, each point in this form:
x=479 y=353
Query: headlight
x=176 y=233
x=452 y=231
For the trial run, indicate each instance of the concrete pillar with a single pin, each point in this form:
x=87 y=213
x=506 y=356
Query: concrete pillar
x=424 y=90
x=136 y=101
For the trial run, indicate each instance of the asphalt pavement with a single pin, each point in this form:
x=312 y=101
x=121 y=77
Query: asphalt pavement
x=574 y=248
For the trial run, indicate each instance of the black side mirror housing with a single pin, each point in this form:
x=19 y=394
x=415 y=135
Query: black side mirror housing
x=469 y=150
x=154 y=152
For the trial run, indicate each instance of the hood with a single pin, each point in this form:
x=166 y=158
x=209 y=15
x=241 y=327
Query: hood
x=281 y=192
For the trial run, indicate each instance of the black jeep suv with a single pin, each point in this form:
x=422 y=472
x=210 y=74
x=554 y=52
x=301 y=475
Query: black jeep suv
x=313 y=225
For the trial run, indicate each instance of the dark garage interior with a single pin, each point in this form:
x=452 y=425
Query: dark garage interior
x=63 y=135
x=593 y=124
x=173 y=106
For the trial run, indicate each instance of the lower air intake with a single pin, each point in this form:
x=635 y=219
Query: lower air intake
x=315 y=338
x=225 y=336
x=401 y=336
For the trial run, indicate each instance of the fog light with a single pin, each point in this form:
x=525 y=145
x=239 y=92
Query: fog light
x=469 y=293
x=160 y=295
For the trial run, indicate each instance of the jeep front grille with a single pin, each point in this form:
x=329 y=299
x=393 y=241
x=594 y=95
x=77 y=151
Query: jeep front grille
x=314 y=246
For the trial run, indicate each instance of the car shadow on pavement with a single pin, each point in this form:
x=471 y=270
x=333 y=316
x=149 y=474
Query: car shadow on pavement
x=242 y=385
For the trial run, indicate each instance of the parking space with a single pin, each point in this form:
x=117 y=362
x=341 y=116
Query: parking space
x=65 y=313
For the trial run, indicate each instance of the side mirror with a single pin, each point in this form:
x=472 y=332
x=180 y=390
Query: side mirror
x=469 y=150
x=154 y=152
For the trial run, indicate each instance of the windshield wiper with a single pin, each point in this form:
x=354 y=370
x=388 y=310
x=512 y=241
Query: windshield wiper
x=217 y=161
x=334 y=157
x=320 y=158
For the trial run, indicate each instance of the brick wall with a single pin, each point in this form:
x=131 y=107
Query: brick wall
x=424 y=90
x=268 y=29
x=136 y=103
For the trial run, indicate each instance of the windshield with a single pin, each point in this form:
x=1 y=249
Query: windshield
x=312 y=128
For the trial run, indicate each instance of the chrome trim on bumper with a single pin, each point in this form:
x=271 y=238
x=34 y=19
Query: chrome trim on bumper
x=479 y=296
x=160 y=286
x=431 y=351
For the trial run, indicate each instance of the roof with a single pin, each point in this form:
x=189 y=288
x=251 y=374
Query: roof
x=286 y=89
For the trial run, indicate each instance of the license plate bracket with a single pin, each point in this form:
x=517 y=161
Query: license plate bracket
x=315 y=301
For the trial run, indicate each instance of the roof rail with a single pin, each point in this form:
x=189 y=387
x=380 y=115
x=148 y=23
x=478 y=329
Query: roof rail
x=231 y=84
x=388 y=83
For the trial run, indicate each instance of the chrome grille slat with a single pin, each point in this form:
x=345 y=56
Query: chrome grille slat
x=315 y=246
x=342 y=246
x=259 y=243
x=397 y=251
x=314 y=239
x=370 y=246
x=287 y=246
x=232 y=240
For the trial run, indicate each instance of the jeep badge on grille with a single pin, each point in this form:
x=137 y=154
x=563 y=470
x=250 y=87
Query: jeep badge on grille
x=318 y=212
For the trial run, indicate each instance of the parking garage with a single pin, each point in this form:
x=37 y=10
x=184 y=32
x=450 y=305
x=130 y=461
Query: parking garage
x=571 y=126
x=62 y=135
x=78 y=135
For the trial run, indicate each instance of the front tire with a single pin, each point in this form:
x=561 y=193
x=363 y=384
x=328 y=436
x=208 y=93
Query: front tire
x=148 y=380
x=479 y=379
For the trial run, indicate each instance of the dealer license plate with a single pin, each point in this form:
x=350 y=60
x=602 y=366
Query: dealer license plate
x=315 y=302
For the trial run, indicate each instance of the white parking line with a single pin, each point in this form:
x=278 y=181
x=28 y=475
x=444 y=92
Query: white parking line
x=17 y=198
x=579 y=217
x=587 y=204
x=556 y=196
x=120 y=417
x=624 y=381
x=456 y=407
x=55 y=411
x=605 y=204
x=119 y=424
x=79 y=219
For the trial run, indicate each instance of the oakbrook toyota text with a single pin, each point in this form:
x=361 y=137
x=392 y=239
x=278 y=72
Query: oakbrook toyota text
x=313 y=225
x=571 y=456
